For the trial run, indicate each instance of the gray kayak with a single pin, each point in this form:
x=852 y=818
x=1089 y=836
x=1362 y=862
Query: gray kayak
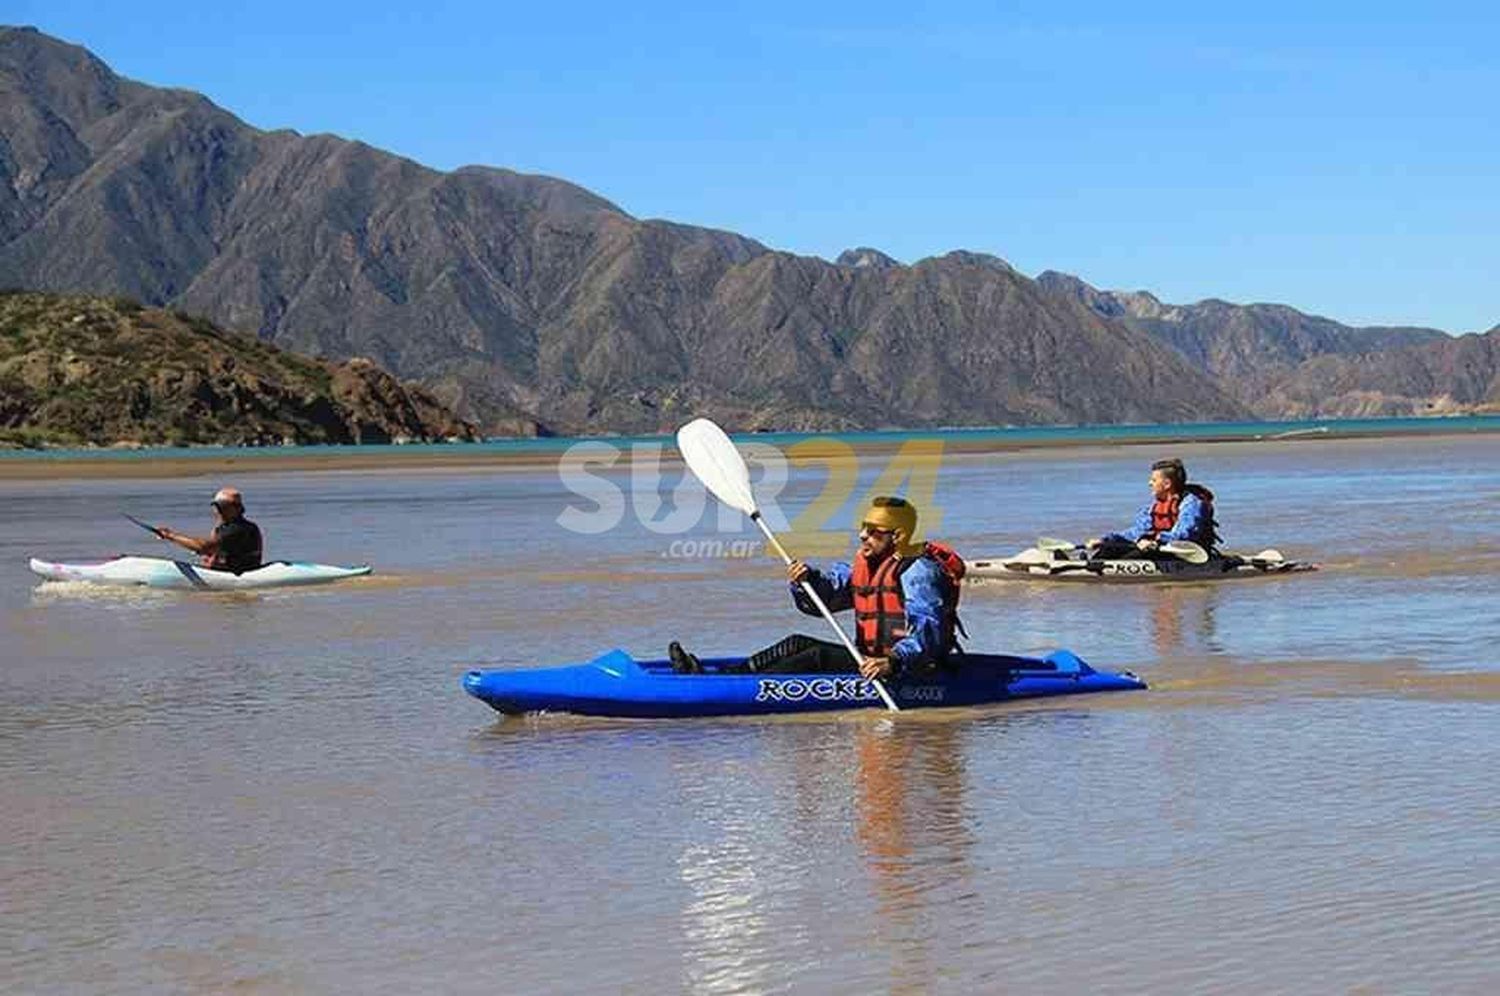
x=1036 y=564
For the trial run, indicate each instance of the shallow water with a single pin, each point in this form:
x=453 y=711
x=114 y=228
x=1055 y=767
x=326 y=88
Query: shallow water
x=289 y=791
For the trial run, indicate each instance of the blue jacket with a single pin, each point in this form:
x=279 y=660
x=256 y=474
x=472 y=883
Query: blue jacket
x=921 y=593
x=1193 y=523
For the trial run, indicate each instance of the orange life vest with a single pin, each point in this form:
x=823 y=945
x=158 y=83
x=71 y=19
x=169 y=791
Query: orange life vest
x=880 y=605
x=1164 y=510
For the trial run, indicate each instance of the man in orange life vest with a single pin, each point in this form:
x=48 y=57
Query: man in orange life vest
x=1177 y=511
x=904 y=595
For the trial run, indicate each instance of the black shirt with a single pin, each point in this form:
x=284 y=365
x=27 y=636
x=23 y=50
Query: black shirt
x=239 y=547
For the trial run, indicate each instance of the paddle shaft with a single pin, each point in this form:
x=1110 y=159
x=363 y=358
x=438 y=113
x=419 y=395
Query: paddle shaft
x=150 y=529
x=807 y=587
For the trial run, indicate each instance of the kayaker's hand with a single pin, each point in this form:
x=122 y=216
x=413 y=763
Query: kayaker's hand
x=796 y=571
x=1092 y=544
x=162 y=532
x=1145 y=544
x=875 y=668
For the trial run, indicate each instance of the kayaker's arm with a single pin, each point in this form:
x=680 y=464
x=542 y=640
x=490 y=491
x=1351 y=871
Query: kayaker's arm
x=202 y=546
x=832 y=587
x=921 y=590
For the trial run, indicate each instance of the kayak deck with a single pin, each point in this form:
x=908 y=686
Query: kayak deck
x=615 y=684
x=157 y=572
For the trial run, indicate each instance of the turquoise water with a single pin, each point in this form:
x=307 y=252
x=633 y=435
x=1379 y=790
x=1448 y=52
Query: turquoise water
x=999 y=437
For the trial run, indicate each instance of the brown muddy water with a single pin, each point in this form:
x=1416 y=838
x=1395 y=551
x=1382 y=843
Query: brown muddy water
x=289 y=791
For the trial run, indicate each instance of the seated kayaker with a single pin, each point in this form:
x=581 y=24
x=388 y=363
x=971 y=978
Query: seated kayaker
x=1177 y=511
x=904 y=594
x=236 y=543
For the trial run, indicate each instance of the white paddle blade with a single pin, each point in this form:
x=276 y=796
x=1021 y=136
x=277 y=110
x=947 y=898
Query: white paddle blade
x=712 y=457
x=1053 y=543
x=1186 y=550
x=1269 y=556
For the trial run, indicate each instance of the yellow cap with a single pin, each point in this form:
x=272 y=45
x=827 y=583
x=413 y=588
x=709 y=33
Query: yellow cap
x=895 y=514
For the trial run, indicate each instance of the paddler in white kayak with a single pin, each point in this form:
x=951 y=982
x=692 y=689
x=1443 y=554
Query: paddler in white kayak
x=236 y=543
x=1177 y=511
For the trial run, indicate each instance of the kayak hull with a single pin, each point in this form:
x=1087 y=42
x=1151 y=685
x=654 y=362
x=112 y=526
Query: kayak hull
x=156 y=572
x=1065 y=566
x=615 y=684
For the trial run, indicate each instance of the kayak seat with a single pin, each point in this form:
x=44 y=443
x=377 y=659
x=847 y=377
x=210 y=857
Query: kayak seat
x=801 y=654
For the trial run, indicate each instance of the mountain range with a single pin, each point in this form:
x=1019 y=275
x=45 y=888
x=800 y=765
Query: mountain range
x=530 y=304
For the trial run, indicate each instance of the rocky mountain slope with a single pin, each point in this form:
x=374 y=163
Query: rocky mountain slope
x=1282 y=363
x=79 y=370
x=1445 y=377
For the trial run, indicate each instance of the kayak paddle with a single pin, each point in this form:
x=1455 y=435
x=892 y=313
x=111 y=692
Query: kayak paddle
x=1181 y=549
x=1029 y=558
x=1268 y=557
x=150 y=529
x=712 y=457
x=1185 y=550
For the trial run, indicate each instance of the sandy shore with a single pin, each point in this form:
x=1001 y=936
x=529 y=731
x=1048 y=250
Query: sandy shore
x=251 y=460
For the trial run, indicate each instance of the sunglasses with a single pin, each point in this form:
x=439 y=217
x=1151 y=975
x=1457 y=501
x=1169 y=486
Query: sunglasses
x=865 y=527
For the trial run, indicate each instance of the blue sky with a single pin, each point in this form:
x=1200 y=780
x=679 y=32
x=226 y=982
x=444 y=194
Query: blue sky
x=1341 y=159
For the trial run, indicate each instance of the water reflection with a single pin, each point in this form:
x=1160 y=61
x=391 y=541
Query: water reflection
x=724 y=922
x=1183 y=619
x=765 y=803
x=911 y=824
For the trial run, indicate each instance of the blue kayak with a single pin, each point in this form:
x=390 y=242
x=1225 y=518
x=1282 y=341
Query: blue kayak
x=617 y=684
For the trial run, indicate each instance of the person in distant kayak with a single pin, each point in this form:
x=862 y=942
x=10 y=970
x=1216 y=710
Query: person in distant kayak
x=904 y=594
x=1177 y=511
x=236 y=543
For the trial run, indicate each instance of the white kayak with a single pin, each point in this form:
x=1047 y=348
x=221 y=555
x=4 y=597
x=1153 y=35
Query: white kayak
x=1037 y=564
x=156 y=572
